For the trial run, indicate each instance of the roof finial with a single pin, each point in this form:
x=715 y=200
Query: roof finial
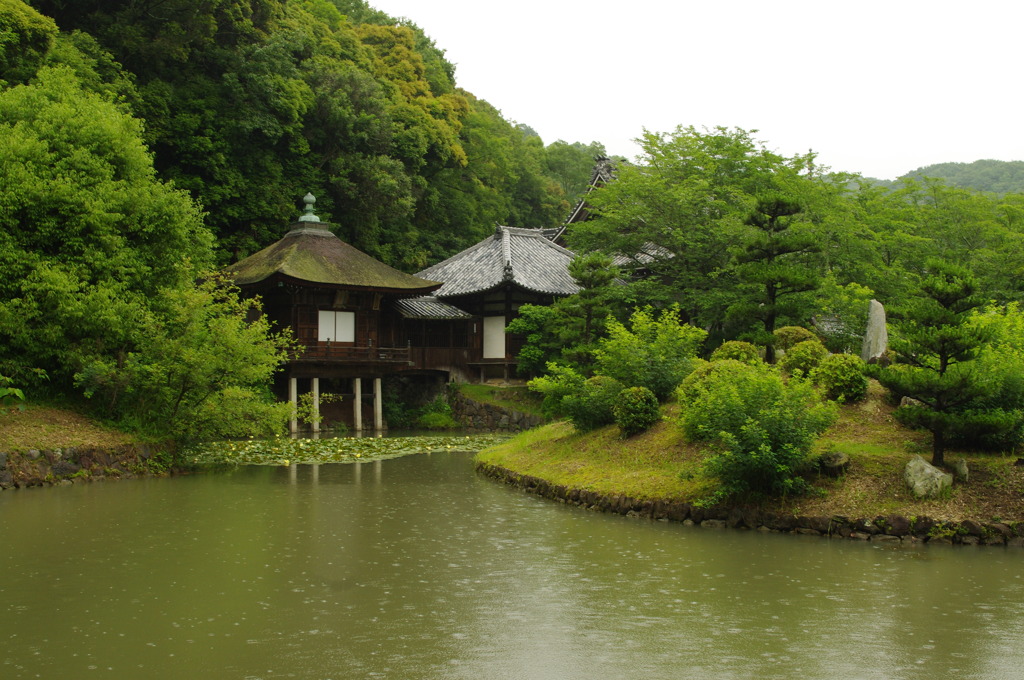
x=309 y=199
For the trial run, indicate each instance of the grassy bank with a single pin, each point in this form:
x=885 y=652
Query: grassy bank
x=50 y=427
x=511 y=398
x=661 y=465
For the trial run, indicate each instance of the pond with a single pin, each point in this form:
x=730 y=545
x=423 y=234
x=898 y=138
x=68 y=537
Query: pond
x=416 y=567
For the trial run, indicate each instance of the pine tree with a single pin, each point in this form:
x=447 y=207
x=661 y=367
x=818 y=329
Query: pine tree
x=773 y=264
x=935 y=345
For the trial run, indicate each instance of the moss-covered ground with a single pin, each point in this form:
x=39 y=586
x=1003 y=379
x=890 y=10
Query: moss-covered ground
x=514 y=397
x=50 y=427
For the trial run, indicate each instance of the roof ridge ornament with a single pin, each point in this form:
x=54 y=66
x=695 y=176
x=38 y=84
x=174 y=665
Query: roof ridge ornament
x=506 y=254
x=309 y=199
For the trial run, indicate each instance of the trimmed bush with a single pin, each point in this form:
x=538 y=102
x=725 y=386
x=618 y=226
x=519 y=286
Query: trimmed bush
x=842 y=377
x=789 y=336
x=737 y=350
x=695 y=384
x=636 y=409
x=591 y=407
x=803 y=357
x=763 y=426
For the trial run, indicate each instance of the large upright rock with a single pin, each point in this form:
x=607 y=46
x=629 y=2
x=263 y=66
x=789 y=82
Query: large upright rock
x=876 y=337
x=924 y=479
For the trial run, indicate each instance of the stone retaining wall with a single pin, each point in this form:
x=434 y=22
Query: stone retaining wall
x=81 y=464
x=888 y=529
x=475 y=415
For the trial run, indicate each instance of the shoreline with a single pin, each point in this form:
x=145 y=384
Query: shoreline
x=889 y=529
x=63 y=466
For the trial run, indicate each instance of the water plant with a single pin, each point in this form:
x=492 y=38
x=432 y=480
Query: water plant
x=284 y=451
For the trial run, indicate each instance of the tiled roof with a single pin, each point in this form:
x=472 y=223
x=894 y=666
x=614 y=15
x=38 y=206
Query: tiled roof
x=604 y=172
x=429 y=307
x=310 y=253
x=523 y=257
x=648 y=253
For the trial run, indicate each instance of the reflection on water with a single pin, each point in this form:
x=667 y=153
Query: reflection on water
x=417 y=568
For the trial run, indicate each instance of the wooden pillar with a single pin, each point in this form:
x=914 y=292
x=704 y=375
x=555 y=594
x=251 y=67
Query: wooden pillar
x=316 y=404
x=378 y=405
x=293 y=399
x=357 y=413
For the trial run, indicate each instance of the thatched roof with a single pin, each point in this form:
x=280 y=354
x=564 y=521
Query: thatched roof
x=520 y=257
x=311 y=254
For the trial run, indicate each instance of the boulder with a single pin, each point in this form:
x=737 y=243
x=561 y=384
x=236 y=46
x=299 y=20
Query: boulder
x=897 y=525
x=833 y=463
x=876 y=337
x=924 y=479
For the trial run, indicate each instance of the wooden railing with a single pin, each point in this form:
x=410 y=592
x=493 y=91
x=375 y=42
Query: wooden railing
x=328 y=351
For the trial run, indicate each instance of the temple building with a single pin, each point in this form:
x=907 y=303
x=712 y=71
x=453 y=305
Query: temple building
x=338 y=303
x=358 y=321
x=491 y=281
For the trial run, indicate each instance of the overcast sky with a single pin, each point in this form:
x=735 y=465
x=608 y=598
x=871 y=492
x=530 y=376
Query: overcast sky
x=879 y=88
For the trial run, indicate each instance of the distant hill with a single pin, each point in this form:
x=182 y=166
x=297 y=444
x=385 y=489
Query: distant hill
x=986 y=175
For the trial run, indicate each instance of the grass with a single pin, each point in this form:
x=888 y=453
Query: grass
x=661 y=464
x=515 y=398
x=657 y=464
x=46 y=427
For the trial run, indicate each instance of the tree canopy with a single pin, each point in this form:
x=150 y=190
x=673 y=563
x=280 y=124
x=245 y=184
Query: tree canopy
x=250 y=103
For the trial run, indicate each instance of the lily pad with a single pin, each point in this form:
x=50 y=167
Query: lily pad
x=287 y=451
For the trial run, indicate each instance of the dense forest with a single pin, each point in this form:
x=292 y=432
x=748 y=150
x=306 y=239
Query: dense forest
x=249 y=104
x=148 y=143
x=999 y=177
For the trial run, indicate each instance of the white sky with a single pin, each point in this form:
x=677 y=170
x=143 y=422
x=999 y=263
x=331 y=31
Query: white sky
x=875 y=87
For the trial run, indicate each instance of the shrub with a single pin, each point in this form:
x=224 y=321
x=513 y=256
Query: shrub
x=635 y=410
x=695 y=383
x=437 y=415
x=739 y=350
x=653 y=353
x=559 y=382
x=591 y=406
x=803 y=357
x=842 y=377
x=788 y=336
x=763 y=426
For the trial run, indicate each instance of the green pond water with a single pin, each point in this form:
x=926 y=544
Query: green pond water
x=416 y=567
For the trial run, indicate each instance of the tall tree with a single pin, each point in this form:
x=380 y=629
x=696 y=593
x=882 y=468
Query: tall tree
x=568 y=330
x=772 y=265
x=100 y=262
x=572 y=165
x=682 y=213
x=936 y=343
